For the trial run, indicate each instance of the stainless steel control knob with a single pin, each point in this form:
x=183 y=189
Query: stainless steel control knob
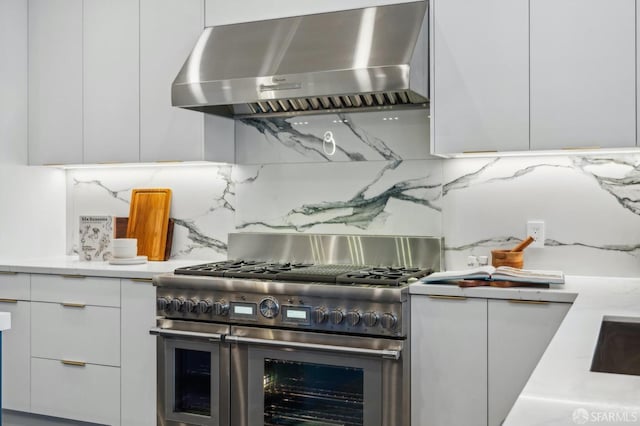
x=177 y=305
x=353 y=318
x=370 y=319
x=162 y=303
x=190 y=305
x=336 y=316
x=319 y=315
x=204 y=307
x=388 y=321
x=221 y=308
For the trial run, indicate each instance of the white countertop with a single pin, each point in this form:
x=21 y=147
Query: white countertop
x=70 y=265
x=562 y=390
x=5 y=321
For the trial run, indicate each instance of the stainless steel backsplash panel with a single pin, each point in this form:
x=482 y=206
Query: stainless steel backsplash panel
x=387 y=250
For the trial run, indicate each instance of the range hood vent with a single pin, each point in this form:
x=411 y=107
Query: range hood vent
x=374 y=58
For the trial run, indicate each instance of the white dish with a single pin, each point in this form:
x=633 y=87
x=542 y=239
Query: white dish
x=128 y=260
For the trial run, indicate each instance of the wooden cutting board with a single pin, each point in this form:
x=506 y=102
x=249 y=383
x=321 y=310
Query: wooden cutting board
x=149 y=221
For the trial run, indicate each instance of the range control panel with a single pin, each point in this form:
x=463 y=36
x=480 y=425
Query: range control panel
x=284 y=311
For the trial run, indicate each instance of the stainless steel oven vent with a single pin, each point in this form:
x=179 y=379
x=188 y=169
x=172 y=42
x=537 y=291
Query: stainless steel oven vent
x=354 y=60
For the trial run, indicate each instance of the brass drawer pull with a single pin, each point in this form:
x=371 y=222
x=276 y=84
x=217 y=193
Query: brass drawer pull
x=73 y=305
x=8 y=273
x=8 y=301
x=434 y=296
x=142 y=280
x=73 y=276
x=529 y=302
x=74 y=363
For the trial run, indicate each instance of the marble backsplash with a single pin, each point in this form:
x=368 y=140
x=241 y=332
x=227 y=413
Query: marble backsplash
x=285 y=182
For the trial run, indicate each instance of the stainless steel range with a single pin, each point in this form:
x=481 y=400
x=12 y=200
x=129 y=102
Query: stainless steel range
x=296 y=330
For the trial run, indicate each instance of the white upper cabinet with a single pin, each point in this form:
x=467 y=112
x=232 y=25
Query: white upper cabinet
x=169 y=30
x=583 y=73
x=55 y=81
x=111 y=71
x=480 y=97
x=13 y=82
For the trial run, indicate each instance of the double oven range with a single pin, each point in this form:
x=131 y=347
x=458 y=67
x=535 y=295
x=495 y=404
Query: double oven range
x=297 y=330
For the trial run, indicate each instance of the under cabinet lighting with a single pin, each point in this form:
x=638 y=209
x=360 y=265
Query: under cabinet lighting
x=545 y=153
x=138 y=165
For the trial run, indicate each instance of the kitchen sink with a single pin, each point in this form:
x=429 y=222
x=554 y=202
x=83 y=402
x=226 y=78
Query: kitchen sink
x=618 y=347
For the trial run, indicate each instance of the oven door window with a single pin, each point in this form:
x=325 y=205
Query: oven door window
x=310 y=388
x=192 y=380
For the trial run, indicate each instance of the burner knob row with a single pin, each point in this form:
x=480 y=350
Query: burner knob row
x=179 y=304
x=370 y=319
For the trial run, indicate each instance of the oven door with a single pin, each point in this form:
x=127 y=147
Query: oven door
x=193 y=385
x=296 y=378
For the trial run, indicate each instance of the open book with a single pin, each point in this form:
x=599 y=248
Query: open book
x=501 y=273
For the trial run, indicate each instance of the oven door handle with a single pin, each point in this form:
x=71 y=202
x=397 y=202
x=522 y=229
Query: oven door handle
x=384 y=353
x=167 y=332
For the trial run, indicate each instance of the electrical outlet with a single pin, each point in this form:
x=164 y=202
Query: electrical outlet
x=535 y=228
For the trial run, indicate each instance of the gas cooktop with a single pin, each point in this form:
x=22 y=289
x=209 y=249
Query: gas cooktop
x=332 y=273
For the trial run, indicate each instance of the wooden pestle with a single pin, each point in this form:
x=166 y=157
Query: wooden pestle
x=523 y=244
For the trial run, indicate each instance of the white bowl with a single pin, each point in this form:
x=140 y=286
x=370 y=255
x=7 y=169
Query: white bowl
x=125 y=248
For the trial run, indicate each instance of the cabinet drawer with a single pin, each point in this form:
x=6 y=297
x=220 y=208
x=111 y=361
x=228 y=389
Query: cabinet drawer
x=14 y=286
x=76 y=289
x=89 y=334
x=88 y=393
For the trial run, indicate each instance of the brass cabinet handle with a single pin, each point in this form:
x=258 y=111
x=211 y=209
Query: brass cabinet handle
x=488 y=151
x=73 y=305
x=8 y=273
x=73 y=276
x=529 y=302
x=580 y=148
x=142 y=280
x=8 y=301
x=434 y=296
x=74 y=363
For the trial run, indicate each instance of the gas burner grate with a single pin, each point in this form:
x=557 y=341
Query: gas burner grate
x=217 y=269
x=265 y=270
x=391 y=276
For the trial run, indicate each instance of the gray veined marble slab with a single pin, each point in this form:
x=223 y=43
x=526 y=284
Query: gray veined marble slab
x=203 y=203
x=589 y=204
x=385 y=135
x=383 y=197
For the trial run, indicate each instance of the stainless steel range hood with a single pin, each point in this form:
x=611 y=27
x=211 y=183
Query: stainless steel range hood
x=354 y=60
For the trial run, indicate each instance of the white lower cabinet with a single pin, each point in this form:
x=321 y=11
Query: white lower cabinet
x=15 y=356
x=519 y=332
x=448 y=361
x=138 y=393
x=14 y=298
x=86 y=392
x=88 y=334
x=470 y=358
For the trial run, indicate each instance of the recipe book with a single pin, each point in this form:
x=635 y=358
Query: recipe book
x=501 y=273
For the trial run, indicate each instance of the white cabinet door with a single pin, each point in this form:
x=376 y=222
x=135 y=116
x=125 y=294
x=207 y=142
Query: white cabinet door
x=111 y=76
x=168 y=31
x=583 y=73
x=13 y=81
x=519 y=333
x=55 y=81
x=138 y=387
x=15 y=356
x=448 y=361
x=89 y=334
x=480 y=98
x=89 y=393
